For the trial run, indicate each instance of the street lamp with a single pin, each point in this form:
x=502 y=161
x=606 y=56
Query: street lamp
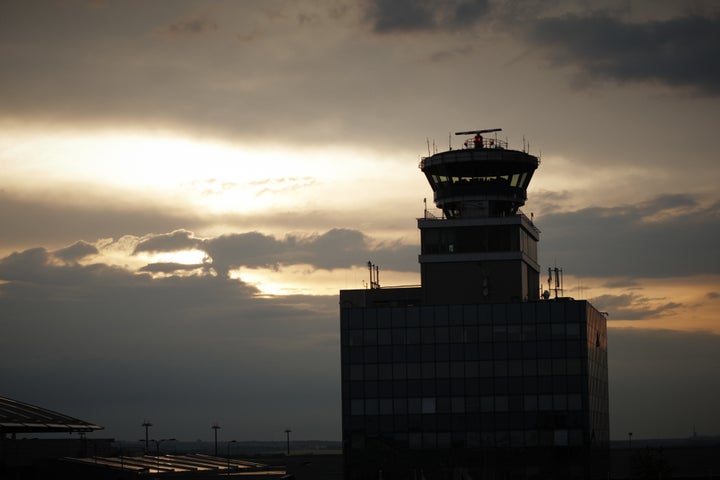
x=629 y=439
x=122 y=461
x=157 y=447
x=287 y=433
x=146 y=423
x=216 y=427
x=228 y=456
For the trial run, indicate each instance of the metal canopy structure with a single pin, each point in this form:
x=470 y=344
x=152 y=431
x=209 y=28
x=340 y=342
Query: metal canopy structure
x=182 y=466
x=19 y=417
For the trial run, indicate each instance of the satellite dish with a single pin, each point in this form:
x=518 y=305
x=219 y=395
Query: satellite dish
x=546 y=295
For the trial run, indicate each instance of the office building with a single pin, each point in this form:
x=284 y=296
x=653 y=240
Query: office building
x=475 y=372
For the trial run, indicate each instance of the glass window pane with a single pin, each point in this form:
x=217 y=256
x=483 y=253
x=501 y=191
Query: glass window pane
x=357 y=407
x=414 y=406
x=428 y=405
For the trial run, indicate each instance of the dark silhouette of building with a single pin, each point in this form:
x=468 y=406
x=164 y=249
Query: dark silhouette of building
x=474 y=374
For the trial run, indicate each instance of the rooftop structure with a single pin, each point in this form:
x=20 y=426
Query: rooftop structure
x=18 y=417
x=194 y=466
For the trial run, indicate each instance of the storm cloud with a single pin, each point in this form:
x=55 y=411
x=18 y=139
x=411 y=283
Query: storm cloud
x=410 y=15
x=664 y=236
x=678 y=52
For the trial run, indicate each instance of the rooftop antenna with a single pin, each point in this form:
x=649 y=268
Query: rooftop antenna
x=428 y=145
x=374 y=275
x=555 y=277
x=449 y=141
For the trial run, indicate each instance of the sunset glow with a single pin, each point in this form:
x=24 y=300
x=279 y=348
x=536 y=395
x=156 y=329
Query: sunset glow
x=184 y=190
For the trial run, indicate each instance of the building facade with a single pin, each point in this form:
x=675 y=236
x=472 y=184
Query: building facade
x=473 y=373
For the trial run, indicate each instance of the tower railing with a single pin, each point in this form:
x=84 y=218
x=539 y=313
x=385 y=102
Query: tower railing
x=482 y=142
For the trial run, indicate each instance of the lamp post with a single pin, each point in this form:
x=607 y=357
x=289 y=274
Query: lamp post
x=122 y=461
x=228 y=456
x=216 y=427
x=629 y=439
x=157 y=447
x=287 y=434
x=146 y=423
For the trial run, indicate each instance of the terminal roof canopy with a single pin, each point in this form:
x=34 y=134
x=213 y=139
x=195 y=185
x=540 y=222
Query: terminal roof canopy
x=19 y=417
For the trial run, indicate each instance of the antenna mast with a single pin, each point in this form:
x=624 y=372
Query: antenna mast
x=374 y=275
x=555 y=275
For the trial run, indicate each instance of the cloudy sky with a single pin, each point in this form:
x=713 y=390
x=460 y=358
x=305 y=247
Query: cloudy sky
x=186 y=186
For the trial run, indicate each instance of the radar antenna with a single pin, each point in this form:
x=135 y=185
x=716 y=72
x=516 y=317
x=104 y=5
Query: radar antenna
x=474 y=132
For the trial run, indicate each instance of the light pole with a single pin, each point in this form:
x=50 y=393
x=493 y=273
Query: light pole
x=228 y=456
x=287 y=434
x=146 y=423
x=157 y=447
x=122 y=461
x=629 y=439
x=216 y=427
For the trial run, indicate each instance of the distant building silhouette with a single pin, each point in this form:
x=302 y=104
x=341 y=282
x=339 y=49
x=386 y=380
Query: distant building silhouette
x=474 y=373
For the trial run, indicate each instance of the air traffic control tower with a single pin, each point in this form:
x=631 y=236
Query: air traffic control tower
x=484 y=250
x=474 y=374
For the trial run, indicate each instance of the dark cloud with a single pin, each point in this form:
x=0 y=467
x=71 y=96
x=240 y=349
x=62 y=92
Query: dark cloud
x=75 y=252
x=336 y=248
x=251 y=249
x=388 y=16
x=85 y=68
x=679 y=51
x=39 y=265
x=49 y=221
x=115 y=346
x=672 y=235
x=168 y=242
x=622 y=283
x=631 y=306
x=713 y=295
x=548 y=201
x=171 y=267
